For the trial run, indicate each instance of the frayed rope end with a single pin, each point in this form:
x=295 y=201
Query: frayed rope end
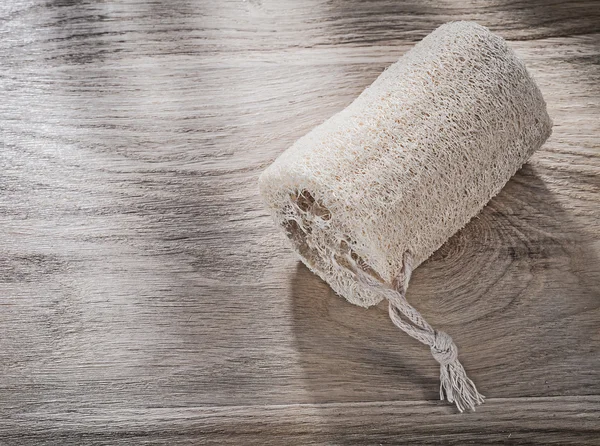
x=455 y=385
x=457 y=388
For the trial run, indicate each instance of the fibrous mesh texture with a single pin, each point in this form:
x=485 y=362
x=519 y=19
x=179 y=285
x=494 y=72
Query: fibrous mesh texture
x=410 y=161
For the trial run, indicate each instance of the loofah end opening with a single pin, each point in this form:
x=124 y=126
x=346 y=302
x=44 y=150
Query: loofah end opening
x=324 y=250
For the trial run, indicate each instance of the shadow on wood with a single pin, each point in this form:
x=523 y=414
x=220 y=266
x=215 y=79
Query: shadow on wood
x=517 y=288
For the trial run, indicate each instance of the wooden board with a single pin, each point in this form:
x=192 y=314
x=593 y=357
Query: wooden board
x=146 y=297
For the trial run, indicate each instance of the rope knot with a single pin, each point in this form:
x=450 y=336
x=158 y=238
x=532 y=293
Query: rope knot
x=455 y=385
x=444 y=349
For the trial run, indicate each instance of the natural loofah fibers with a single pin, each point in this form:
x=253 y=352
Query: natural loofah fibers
x=372 y=192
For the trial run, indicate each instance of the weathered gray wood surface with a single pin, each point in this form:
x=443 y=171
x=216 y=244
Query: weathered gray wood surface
x=145 y=296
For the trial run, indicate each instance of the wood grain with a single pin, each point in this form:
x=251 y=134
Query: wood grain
x=146 y=296
x=574 y=421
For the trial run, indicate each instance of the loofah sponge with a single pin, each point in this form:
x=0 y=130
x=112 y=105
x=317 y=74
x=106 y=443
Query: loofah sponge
x=372 y=192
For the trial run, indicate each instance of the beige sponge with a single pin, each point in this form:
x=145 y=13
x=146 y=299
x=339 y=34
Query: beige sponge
x=377 y=188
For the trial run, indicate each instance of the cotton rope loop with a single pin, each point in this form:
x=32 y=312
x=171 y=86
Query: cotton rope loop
x=372 y=192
